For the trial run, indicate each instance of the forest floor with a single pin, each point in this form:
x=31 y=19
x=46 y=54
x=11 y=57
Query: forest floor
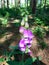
x=11 y=36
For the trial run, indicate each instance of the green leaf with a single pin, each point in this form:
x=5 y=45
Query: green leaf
x=29 y=61
x=4 y=21
x=13 y=63
x=2 y=59
x=13 y=47
x=23 y=13
x=16 y=24
x=40 y=58
x=26 y=50
x=21 y=63
x=34 y=59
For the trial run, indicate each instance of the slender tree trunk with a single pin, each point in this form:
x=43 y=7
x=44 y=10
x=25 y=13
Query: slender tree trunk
x=26 y=3
x=40 y=3
x=15 y=4
x=7 y=3
x=2 y=3
x=45 y=5
x=33 y=6
x=23 y=3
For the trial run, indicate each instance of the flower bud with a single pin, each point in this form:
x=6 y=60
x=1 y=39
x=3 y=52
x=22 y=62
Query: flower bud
x=22 y=22
x=26 y=25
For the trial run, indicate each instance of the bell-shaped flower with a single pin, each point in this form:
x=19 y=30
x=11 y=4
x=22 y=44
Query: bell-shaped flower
x=21 y=43
x=26 y=25
x=28 y=34
x=23 y=49
x=21 y=30
x=22 y=22
x=24 y=43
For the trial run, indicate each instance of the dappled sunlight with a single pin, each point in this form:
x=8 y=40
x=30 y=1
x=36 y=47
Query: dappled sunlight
x=5 y=37
x=24 y=32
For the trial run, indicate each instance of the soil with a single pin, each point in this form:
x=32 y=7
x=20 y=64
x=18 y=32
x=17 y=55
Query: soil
x=12 y=36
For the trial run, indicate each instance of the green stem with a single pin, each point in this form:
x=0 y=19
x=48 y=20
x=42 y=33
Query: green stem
x=23 y=59
x=10 y=55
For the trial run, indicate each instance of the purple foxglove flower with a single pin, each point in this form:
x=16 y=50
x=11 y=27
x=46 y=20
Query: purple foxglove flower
x=23 y=49
x=28 y=34
x=21 y=30
x=26 y=40
x=24 y=43
x=21 y=43
x=28 y=45
x=25 y=33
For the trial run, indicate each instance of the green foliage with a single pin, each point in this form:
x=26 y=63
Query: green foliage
x=38 y=21
x=13 y=63
x=4 y=22
x=42 y=44
x=11 y=12
x=43 y=15
x=29 y=61
x=39 y=31
x=9 y=54
x=24 y=11
x=16 y=24
x=41 y=19
x=7 y=15
x=2 y=60
x=0 y=23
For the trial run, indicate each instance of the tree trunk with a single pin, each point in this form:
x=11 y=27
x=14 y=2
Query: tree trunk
x=2 y=3
x=40 y=3
x=22 y=3
x=7 y=3
x=33 y=6
x=16 y=3
x=26 y=2
x=45 y=5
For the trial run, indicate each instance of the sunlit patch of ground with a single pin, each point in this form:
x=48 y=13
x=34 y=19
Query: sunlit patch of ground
x=5 y=37
x=12 y=38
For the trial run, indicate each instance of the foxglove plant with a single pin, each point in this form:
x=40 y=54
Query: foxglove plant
x=21 y=30
x=25 y=42
x=22 y=22
x=26 y=38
